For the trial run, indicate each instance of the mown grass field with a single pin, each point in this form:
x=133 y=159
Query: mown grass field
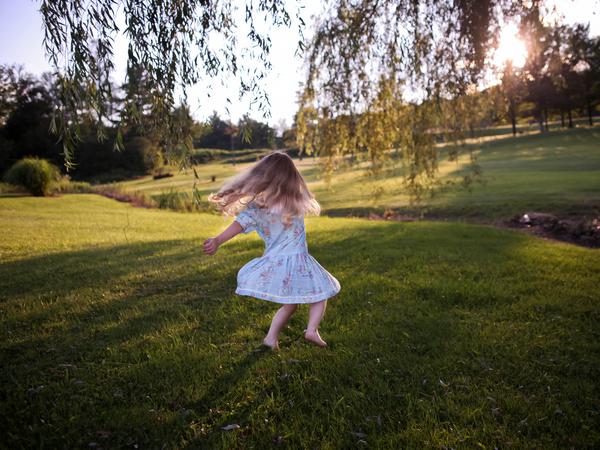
x=118 y=333
x=557 y=172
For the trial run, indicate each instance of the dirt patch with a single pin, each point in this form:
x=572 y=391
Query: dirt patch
x=140 y=201
x=575 y=230
x=581 y=231
x=392 y=215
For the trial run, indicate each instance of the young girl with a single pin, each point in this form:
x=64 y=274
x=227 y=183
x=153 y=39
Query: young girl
x=276 y=199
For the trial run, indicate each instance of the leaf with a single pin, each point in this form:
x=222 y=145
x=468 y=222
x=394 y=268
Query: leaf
x=233 y=426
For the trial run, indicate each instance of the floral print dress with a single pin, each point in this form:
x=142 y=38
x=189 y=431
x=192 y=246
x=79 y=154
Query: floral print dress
x=285 y=273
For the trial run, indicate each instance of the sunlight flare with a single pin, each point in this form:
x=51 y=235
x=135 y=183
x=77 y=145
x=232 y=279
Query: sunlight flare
x=510 y=47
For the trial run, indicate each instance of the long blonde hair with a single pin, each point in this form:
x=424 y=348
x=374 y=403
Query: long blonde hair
x=273 y=183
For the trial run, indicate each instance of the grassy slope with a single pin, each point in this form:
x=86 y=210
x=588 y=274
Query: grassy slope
x=555 y=172
x=116 y=330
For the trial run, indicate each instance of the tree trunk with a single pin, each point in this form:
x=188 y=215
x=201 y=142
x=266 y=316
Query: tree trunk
x=513 y=117
x=546 y=119
x=589 y=105
x=570 y=119
x=540 y=119
x=562 y=118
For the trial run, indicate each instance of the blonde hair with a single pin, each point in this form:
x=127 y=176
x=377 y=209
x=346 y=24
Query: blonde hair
x=273 y=183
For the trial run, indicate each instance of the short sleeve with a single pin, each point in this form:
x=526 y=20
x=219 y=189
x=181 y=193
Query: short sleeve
x=247 y=219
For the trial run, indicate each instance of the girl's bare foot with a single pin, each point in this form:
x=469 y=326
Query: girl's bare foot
x=273 y=344
x=314 y=337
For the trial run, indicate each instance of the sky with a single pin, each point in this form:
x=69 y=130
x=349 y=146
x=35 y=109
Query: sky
x=21 y=36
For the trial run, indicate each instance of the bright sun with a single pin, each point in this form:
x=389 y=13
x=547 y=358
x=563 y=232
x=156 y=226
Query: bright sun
x=510 y=48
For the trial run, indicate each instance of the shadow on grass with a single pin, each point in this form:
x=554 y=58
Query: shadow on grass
x=151 y=335
x=138 y=283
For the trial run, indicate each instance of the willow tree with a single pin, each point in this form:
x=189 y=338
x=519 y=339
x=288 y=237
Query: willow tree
x=174 y=43
x=363 y=60
x=388 y=79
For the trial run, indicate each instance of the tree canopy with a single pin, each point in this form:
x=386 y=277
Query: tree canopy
x=384 y=79
x=175 y=43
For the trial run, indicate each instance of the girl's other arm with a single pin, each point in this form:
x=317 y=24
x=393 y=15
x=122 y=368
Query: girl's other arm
x=211 y=245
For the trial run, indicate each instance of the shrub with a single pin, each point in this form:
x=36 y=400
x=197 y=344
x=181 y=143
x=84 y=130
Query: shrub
x=177 y=201
x=34 y=174
x=182 y=201
x=67 y=186
x=6 y=188
x=141 y=155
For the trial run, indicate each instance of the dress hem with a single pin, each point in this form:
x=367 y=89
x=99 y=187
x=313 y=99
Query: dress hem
x=287 y=300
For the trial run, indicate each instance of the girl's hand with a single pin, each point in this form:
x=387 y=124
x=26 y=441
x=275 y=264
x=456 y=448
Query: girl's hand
x=211 y=246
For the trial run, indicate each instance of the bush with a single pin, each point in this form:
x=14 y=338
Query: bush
x=34 y=174
x=141 y=155
x=181 y=201
x=177 y=201
x=6 y=188
x=67 y=186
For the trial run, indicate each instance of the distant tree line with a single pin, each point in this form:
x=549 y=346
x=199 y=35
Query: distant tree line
x=561 y=75
x=27 y=104
x=247 y=133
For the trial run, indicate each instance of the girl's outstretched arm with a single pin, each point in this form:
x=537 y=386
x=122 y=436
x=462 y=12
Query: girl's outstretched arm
x=211 y=245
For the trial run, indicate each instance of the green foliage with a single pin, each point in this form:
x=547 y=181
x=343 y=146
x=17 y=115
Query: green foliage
x=174 y=200
x=6 y=188
x=7 y=151
x=164 y=199
x=366 y=56
x=561 y=71
x=247 y=134
x=254 y=134
x=168 y=45
x=99 y=161
x=372 y=60
x=142 y=156
x=68 y=186
x=434 y=47
x=420 y=61
x=26 y=105
x=34 y=174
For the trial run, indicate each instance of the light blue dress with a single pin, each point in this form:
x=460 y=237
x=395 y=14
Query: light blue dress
x=285 y=273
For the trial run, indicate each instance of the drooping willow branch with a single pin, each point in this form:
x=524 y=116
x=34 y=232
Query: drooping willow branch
x=174 y=43
x=384 y=77
x=389 y=79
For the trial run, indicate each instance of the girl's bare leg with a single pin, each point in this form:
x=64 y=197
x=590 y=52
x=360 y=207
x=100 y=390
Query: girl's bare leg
x=315 y=314
x=280 y=318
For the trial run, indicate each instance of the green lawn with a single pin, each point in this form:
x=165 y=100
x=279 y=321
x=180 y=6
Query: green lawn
x=557 y=172
x=118 y=333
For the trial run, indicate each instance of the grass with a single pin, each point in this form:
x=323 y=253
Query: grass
x=184 y=180
x=117 y=332
x=527 y=126
x=556 y=172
